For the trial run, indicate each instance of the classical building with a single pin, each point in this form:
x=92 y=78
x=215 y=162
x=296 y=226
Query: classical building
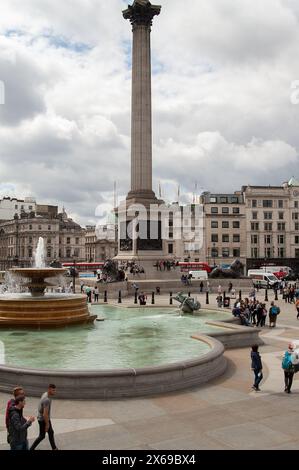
x=64 y=239
x=272 y=224
x=9 y=207
x=103 y=248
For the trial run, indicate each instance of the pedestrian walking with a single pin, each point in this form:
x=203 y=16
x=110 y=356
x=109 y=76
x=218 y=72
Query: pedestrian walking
x=257 y=367
x=18 y=425
x=288 y=368
x=17 y=391
x=96 y=294
x=44 y=418
x=273 y=312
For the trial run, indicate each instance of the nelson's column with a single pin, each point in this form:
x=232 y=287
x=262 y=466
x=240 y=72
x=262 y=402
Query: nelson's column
x=144 y=251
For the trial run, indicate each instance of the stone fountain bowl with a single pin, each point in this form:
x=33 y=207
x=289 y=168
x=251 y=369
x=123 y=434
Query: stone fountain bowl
x=38 y=273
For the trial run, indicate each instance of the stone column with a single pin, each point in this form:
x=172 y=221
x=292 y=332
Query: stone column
x=141 y=15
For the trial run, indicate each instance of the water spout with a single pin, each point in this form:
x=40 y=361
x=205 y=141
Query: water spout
x=39 y=254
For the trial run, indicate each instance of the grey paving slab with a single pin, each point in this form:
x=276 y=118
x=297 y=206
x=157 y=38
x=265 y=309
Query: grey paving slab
x=191 y=442
x=249 y=436
x=218 y=395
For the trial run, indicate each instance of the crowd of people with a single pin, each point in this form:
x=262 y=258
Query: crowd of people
x=252 y=312
x=167 y=265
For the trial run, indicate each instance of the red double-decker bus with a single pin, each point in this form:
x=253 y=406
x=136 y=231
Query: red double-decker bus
x=194 y=266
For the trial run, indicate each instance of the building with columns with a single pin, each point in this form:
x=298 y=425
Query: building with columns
x=64 y=239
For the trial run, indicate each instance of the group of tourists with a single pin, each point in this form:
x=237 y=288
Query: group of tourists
x=90 y=293
x=163 y=265
x=290 y=365
x=252 y=312
x=17 y=424
x=186 y=279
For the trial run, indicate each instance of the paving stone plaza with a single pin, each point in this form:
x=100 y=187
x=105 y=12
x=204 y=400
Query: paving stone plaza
x=224 y=414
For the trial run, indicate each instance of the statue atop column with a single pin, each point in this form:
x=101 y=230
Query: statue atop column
x=141 y=12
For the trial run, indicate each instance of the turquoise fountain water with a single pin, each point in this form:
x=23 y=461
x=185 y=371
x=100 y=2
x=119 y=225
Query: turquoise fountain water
x=128 y=338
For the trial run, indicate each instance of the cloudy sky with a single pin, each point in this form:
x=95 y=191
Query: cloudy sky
x=222 y=114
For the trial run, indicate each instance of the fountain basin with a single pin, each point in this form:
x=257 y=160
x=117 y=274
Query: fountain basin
x=46 y=311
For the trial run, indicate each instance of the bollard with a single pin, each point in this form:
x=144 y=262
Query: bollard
x=119 y=297
x=136 y=298
x=170 y=298
x=276 y=294
x=207 y=298
x=105 y=297
x=189 y=294
x=153 y=298
x=266 y=295
x=240 y=295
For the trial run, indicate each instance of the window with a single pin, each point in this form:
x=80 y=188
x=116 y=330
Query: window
x=39 y=227
x=268 y=239
x=280 y=204
x=297 y=240
x=22 y=208
x=236 y=252
x=29 y=252
x=49 y=240
x=254 y=215
x=170 y=249
x=225 y=253
x=30 y=239
x=295 y=216
x=30 y=227
x=236 y=224
x=296 y=204
x=267 y=203
x=280 y=215
x=234 y=200
x=254 y=203
x=49 y=227
x=254 y=252
x=281 y=226
x=268 y=227
x=254 y=239
x=214 y=210
x=268 y=252
x=214 y=238
x=223 y=200
x=214 y=224
x=68 y=241
x=225 y=238
x=49 y=252
x=297 y=253
x=225 y=210
x=281 y=253
x=268 y=215
x=236 y=238
x=280 y=239
x=296 y=225
x=16 y=207
x=213 y=200
x=254 y=226
x=236 y=210
x=77 y=241
x=214 y=252
x=225 y=224
x=30 y=208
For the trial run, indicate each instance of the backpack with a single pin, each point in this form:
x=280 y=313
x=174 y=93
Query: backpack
x=287 y=361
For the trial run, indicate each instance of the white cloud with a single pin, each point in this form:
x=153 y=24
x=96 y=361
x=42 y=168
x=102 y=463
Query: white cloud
x=221 y=97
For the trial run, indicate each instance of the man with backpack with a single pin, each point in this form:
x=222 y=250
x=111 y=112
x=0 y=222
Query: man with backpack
x=288 y=367
x=273 y=312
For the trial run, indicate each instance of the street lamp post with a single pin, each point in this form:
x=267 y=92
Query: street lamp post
x=214 y=257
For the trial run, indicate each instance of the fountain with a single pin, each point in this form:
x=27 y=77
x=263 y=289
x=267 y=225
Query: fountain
x=37 y=308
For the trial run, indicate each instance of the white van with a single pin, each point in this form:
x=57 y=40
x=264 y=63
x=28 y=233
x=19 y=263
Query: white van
x=263 y=279
x=199 y=275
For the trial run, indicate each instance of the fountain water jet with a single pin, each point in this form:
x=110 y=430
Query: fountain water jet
x=37 y=308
